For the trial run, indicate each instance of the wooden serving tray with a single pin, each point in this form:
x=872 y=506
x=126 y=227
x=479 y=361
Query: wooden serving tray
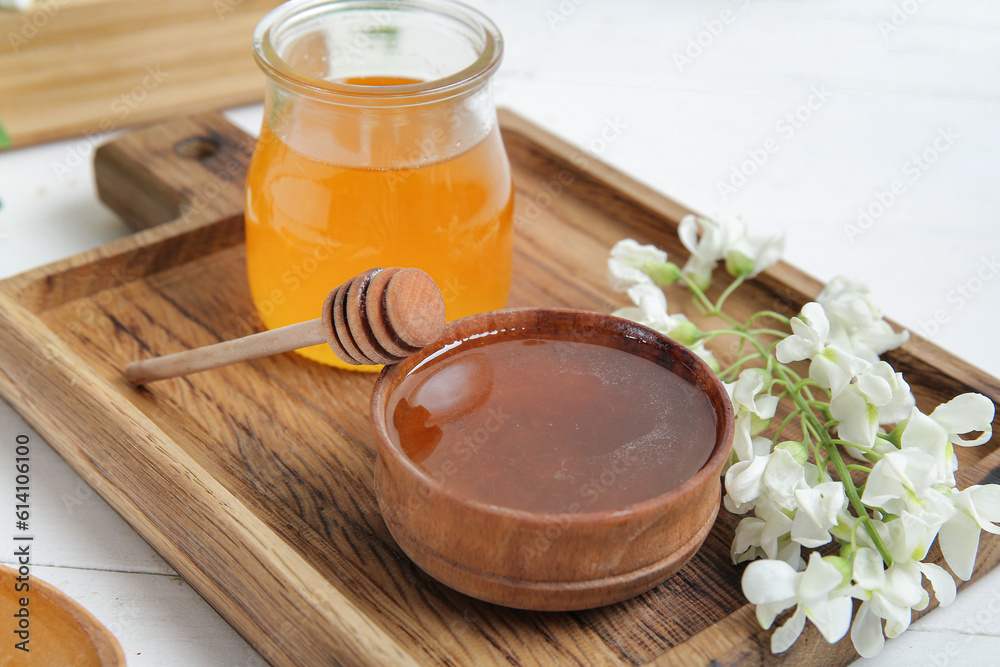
x=255 y=481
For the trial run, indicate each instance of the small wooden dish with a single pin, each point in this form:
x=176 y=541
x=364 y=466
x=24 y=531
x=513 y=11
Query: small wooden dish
x=61 y=631
x=591 y=558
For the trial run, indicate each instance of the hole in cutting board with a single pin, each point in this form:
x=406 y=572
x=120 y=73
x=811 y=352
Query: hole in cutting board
x=196 y=148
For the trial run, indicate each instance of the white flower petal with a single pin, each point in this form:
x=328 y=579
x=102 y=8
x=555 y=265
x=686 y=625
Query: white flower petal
x=810 y=330
x=968 y=412
x=869 y=569
x=794 y=348
x=959 y=536
x=769 y=581
x=767 y=612
x=819 y=578
x=944 y=586
x=743 y=480
x=876 y=389
x=632 y=252
x=833 y=617
x=621 y=276
x=748 y=536
x=858 y=421
x=866 y=633
x=925 y=434
x=897 y=616
x=784 y=636
x=783 y=476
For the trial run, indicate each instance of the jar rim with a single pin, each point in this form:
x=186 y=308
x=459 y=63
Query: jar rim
x=467 y=79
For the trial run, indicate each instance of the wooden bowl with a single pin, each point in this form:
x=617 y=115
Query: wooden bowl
x=591 y=558
x=61 y=631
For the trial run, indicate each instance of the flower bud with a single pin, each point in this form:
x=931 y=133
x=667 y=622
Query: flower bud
x=798 y=450
x=739 y=264
x=685 y=333
x=701 y=279
x=843 y=566
x=662 y=273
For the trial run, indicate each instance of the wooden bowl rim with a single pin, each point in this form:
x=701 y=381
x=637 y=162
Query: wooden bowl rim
x=108 y=649
x=390 y=375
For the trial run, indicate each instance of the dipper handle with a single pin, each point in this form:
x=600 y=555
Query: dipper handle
x=378 y=317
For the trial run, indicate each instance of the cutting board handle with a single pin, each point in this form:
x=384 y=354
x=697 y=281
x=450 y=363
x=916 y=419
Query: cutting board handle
x=192 y=168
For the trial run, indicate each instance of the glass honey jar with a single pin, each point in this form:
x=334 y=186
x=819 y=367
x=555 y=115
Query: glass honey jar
x=379 y=147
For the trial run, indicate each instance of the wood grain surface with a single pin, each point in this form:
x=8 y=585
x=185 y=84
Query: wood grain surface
x=72 y=68
x=255 y=481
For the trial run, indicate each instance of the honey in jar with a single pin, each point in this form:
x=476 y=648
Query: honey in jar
x=379 y=147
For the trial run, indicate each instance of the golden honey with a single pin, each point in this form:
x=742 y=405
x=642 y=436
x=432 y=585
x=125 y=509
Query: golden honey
x=379 y=148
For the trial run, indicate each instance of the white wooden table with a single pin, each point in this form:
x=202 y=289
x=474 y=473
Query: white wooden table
x=797 y=116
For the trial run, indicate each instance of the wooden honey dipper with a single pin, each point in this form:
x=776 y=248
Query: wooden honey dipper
x=381 y=316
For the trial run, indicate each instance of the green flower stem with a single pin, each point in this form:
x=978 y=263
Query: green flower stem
x=773 y=315
x=710 y=308
x=811 y=422
x=785 y=423
x=814 y=426
x=769 y=332
x=735 y=366
x=866 y=450
x=698 y=294
x=729 y=290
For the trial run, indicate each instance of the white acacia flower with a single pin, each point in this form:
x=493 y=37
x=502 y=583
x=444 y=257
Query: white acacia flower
x=746 y=394
x=819 y=509
x=626 y=263
x=708 y=241
x=923 y=433
x=650 y=308
x=977 y=508
x=754 y=409
x=831 y=365
x=777 y=474
x=766 y=535
x=891 y=595
x=964 y=413
x=899 y=479
x=856 y=323
x=810 y=332
x=750 y=255
x=877 y=396
x=817 y=593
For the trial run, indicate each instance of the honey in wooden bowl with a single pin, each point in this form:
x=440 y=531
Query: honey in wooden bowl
x=552 y=425
x=550 y=459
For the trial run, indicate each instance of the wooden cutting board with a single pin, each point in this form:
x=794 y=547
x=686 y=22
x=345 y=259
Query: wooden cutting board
x=255 y=481
x=72 y=67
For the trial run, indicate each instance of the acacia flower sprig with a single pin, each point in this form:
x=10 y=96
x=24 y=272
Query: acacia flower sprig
x=801 y=493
